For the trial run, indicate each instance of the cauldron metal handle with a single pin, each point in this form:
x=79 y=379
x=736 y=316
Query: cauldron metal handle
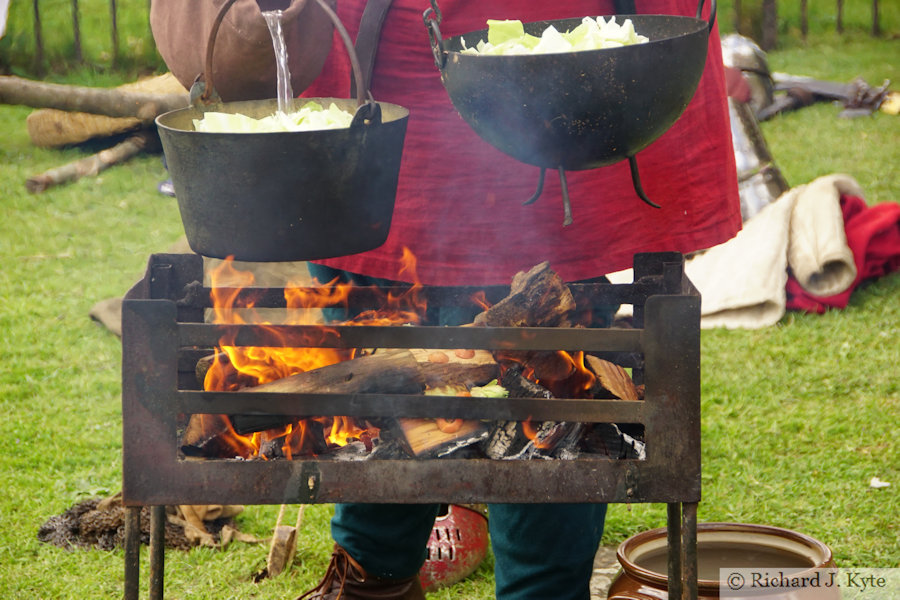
x=712 y=13
x=209 y=95
x=432 y=18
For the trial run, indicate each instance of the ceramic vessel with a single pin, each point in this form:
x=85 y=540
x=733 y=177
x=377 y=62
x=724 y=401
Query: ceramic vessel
x=643 y=558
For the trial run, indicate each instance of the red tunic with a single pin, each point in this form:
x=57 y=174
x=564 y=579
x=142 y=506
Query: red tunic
x=459 y=200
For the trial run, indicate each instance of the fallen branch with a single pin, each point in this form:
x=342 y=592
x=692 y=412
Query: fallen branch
x=98 y=101
x=92 y=165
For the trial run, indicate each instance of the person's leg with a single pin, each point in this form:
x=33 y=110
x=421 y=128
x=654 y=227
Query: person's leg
x=544 y=550
x=388 y=540
x=379 y=547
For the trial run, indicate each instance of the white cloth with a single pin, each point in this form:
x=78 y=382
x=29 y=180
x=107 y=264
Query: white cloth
x=742 y=282
x=4 y=12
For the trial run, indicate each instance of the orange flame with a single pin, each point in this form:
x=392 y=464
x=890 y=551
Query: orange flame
x=236 y=367
x=480 y=298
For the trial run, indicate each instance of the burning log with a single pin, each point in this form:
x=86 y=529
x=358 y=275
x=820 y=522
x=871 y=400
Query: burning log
x=394 y=372
x=537 y=298
x=385 y=372
x=456 y=367
x=612 y=378
x=517 y=439
x=429 y=438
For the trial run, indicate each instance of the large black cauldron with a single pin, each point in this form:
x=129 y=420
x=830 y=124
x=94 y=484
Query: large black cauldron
x=285 y=196
x=576 y=110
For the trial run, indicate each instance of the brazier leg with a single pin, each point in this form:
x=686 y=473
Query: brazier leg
x=157 y=551
x=673 y=538
x=689 y=549
x=132 y=552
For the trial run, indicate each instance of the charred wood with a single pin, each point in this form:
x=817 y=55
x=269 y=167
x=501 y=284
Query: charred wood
x=424 y=438
x=611 y=379
x=613 y=441
x=525 y=440
x=537 y=298
x=394 y=372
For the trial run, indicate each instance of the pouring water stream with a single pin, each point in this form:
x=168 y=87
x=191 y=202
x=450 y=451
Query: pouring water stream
x=285 y=93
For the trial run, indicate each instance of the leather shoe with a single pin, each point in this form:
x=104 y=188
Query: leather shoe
x=345 y=579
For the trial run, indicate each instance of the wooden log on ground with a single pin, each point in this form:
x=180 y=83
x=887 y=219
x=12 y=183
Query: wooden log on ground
x=92 y=165
x=98 y=101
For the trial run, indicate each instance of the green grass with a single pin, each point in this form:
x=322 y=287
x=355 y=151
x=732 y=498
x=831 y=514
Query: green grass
x=137 y=53
x=796 y=418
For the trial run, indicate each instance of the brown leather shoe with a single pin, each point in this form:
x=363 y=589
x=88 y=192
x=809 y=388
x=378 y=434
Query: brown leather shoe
x=345 y=579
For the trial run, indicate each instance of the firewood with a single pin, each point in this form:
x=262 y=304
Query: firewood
x=91 y=165
x=395 y=372
x=423 y=437
x=203 y=366
x=609 y=440
x=456 y=367
x=99 y=101
x=613 y=378
x=525 y=440
x=206 y=436
x=385 y=372
x=537 y=298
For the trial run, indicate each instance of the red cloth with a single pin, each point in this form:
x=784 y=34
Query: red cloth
x=736 y=85
x=459 y=201
x=873 y=234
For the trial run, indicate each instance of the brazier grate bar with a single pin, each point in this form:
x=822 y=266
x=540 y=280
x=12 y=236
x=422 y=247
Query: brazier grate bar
x=163 y=330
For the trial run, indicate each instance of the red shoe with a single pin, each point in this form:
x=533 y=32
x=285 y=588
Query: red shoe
x=458 y=544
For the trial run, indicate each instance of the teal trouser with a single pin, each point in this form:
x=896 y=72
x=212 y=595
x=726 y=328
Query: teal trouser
x=541 y=551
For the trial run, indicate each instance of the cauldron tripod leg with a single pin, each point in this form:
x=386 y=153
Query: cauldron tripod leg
x=564 y=188
x=539 y=190
x=636 y=182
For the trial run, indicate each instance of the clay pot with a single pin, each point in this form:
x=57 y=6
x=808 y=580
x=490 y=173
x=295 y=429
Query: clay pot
x=643 y=558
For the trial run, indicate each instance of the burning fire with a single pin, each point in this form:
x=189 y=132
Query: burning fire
x=237 y=367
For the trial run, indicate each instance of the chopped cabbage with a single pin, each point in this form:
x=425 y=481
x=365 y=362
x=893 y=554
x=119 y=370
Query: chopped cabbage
x=490 y=390
x=310 y=116
x=508 y=37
